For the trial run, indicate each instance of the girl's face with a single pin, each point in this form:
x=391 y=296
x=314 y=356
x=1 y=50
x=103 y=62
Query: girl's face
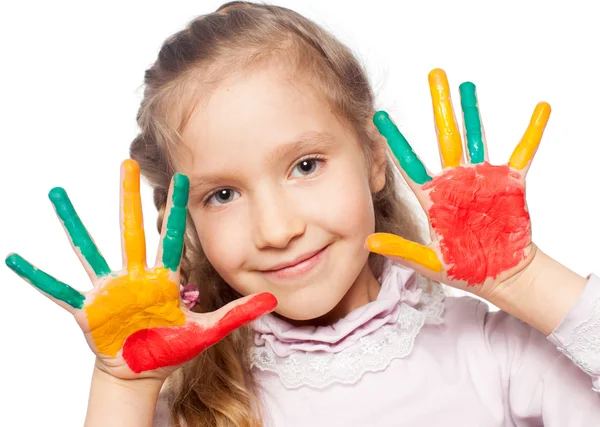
x=281 y=194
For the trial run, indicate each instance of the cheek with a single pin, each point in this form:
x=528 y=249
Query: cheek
x=344 y=203
x=221 y=240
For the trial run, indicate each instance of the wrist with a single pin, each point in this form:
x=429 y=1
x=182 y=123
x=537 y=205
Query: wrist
x=138 y=385
x=542 y=294
x=119 y=403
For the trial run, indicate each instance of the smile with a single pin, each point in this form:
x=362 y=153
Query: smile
x=299 y=266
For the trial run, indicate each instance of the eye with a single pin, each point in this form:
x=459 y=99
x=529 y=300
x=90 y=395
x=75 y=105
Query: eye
x=222 y=197
x=308 y=166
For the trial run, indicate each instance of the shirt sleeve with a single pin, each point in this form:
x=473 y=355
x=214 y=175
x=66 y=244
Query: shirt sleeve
x=578 y=334
x=546 y=380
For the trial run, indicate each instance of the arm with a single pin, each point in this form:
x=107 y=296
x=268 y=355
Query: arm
x=560 y=304
x=541 y=294
x=481 y=232
x=127 y=403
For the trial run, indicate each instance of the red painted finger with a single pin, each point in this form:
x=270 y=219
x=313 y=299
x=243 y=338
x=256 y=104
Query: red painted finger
x=154 y=348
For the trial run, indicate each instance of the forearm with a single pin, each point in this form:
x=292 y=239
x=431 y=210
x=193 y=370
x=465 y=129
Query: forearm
x=117 y=403
x=542 y=294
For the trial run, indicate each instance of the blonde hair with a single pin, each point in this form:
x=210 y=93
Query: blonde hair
x=217 y=388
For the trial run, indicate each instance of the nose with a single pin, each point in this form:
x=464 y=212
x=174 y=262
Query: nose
x=277 y=222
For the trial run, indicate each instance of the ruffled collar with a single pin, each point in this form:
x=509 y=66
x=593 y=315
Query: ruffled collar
x=382 y=330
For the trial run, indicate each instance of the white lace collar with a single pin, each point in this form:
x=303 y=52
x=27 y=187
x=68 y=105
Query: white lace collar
x=366 y=340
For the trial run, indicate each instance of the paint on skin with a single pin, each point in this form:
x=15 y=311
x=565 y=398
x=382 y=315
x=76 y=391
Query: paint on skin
x=473 y=128
x=173 y=240
x=154 y=348
x=447 y=132
x=76 y=230
x=479 y=214
x=133 y=228
x=392 y=245
x=44 y=282
x=528 y=145
x=131 y=303
x=402 y=150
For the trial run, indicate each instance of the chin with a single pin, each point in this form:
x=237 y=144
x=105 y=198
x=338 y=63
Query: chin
x=314 y=311
x=302 y=314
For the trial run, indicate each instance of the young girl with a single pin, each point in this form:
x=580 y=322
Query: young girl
x=259 y=129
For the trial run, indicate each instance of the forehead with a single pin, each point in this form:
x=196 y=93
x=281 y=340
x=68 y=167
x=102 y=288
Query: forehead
x=250 y=112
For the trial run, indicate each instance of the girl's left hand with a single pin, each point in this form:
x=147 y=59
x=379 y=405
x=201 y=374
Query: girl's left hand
x=479 y=222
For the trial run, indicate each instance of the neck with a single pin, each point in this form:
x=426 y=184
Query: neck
x=364 y=290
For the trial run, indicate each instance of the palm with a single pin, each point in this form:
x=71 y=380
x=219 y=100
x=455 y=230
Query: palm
x=133 y=309
x=479 y=223
x=133 y=320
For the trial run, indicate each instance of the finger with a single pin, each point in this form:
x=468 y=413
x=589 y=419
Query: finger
x=80 y=239
x=447 y=131
x=59 y=292
x=154 y=348
x=523 y=154
x=473 y=129
x=396 y=246
x=173 y=227
x=132 y=224
x=408 y=162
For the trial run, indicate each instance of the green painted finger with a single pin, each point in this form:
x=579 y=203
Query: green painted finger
x=173 y=240
x=401 y=148
x=79 y=235
x=473 y=128
x=45 y=282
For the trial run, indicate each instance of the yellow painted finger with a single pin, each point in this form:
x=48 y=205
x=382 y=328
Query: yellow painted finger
x=526 y=149
x=392 y=245
x=448 y=133
x=133 y=224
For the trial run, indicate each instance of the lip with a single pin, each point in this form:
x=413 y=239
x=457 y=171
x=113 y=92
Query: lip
x=300 y=265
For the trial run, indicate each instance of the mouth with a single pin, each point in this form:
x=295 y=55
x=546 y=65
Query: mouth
x=298 y=266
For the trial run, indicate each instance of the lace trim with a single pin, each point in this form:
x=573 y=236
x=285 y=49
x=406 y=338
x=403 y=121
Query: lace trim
x=584 y=348
x=371 y=353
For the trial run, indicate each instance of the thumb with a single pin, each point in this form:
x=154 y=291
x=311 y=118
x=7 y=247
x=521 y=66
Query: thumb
x=159 y=347
x=406 y=252
x=240 y=312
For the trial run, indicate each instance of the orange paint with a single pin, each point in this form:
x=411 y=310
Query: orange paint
x=448 y=134
x=135 y=240
x=131 y=303
x=526 y=149
x=391 y=245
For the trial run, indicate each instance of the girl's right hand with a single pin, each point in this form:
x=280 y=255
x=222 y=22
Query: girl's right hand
x=133 y=319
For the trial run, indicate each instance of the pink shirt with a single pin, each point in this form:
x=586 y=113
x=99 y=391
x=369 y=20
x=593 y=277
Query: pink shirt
x=416 y=358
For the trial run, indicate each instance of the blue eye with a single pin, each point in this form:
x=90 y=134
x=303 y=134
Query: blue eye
x=222 y=197
x=308 y=166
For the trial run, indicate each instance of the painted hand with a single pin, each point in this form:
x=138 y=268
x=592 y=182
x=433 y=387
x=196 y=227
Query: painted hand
x=133 y=319
x=479 y=223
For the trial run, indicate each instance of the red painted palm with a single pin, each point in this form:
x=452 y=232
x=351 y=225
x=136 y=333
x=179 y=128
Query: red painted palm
x=479 y=223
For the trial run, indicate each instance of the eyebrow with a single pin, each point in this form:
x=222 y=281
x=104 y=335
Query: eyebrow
x=308 y=141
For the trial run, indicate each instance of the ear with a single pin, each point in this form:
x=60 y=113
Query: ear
x=379 y=164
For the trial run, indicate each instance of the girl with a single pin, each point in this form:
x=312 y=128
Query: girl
x=271 y=173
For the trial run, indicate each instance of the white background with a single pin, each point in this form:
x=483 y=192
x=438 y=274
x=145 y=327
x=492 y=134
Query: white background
x=71 y=75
